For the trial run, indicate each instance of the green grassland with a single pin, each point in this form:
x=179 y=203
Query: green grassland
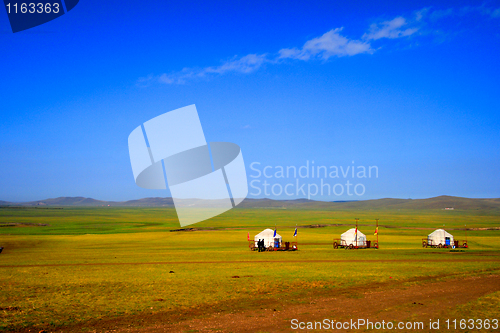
x=65 y=266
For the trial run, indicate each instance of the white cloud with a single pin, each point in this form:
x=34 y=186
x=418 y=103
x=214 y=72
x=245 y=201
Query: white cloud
x=390 y=29
x=441 y=13
x=246 y=64
x=332 y=43
x=420 y=14
x=164 y=78
x=464 y=11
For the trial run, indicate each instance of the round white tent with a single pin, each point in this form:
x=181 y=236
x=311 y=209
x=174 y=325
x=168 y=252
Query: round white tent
x=440 y=236
x=268 y=236
x=349 y=237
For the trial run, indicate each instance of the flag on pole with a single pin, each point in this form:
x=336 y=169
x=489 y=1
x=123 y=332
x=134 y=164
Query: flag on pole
x=295 y=233
x=376 y=231
x=356 y=234
x=274 y=232
x=248 y=236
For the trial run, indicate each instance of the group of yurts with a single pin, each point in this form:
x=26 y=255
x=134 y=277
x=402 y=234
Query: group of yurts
x=270 y=240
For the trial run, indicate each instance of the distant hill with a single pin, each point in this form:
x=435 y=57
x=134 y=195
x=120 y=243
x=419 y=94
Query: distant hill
x=89 y=202
x=441 y=202
x=67 y=201
x=149 y=202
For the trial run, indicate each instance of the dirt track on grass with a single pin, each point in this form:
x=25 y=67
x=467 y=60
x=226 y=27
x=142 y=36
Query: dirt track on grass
x=389 y=301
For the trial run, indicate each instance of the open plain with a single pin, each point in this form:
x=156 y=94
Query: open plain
x=127 y=269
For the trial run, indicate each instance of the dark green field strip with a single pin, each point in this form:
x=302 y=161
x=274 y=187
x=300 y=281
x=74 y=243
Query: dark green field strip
x=119 y=220
x=249 y=261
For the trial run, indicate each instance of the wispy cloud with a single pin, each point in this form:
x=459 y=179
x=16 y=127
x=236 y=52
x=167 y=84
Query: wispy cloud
x=463 y=11
x=333 y=43
x=330 y=44
x=246 y=64
x=395 y=28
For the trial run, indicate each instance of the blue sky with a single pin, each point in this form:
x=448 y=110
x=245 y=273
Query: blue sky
x=410 y=88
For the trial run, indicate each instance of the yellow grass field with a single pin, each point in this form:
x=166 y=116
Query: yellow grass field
x=95 y=264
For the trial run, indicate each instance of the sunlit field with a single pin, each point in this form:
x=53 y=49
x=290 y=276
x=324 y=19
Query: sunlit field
x=65 y=266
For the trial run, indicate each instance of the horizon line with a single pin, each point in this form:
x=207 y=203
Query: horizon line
x=5 y=202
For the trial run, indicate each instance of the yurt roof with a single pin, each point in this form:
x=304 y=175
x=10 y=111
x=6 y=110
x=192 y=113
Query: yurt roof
x=351 y=232
x=267 y=233
x=440 y=232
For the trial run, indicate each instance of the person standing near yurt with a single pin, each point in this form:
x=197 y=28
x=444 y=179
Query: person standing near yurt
x=268 y=237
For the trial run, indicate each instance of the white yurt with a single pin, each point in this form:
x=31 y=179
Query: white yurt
x=349 y=237
x=268 y=236
x=440 y=236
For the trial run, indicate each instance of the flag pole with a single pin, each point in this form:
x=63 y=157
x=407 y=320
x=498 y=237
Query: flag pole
x=466 y=233
x=377 y=232
x=274 y=235
x=357 y=233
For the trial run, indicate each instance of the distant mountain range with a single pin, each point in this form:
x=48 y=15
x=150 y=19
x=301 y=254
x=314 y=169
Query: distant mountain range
x=441 y=202
x=89 y=202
